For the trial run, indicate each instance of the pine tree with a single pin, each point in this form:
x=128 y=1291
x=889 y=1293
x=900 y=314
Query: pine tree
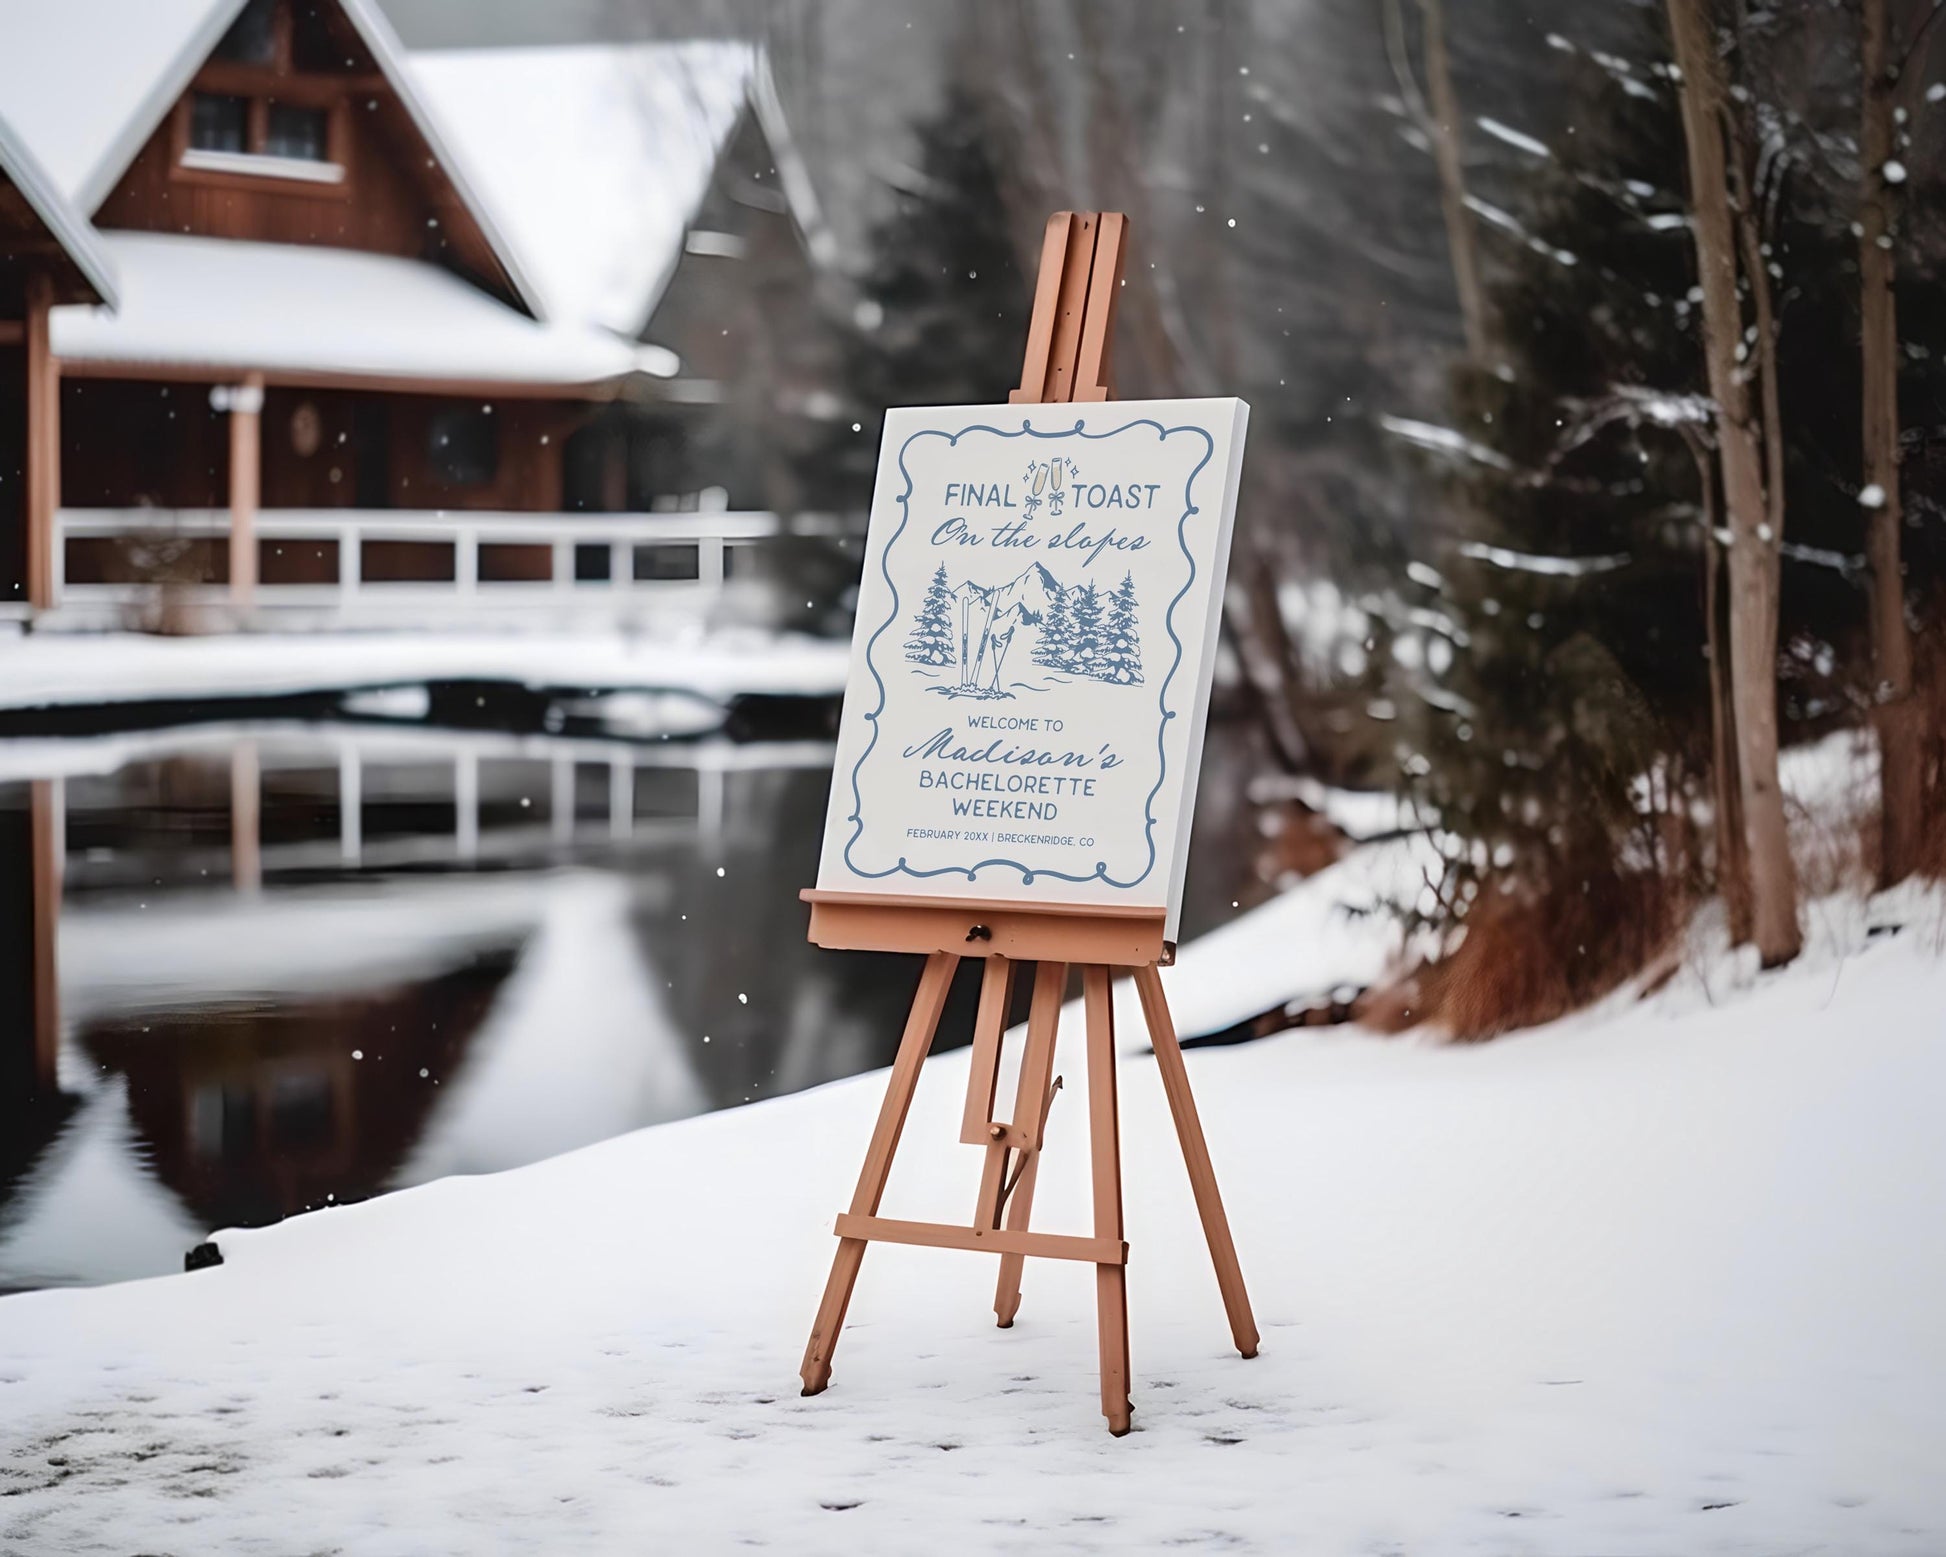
x=941 y=312
x=1121 y=657
x=931 y=642
x=1056 y=646
x=1086 y=645
x=1567 y=609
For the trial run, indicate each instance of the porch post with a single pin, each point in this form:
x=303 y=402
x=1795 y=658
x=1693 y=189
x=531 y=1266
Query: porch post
x=246 y=485
x=43 y=445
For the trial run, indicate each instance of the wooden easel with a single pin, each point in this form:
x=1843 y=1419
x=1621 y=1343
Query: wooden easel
x=1067 y=359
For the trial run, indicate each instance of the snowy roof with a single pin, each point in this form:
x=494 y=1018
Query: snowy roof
x=69 y=227
x=793 y=173
x=87 y=81
x=224 y=303
x=594 y=156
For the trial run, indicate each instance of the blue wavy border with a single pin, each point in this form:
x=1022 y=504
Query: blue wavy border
x=1029 y=873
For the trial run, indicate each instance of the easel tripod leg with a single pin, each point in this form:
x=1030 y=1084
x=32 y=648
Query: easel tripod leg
x=816 y=1371
x=1030 y=1113
x=1006 y=1292
x=1195 y=1151
x=920 y=1026
x=1105 y=1147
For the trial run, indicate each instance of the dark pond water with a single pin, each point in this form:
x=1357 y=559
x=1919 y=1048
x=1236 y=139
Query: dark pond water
x=248 y=970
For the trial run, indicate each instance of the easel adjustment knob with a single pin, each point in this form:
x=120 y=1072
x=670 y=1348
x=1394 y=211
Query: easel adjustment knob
x=979 y=932
x=997 y=1131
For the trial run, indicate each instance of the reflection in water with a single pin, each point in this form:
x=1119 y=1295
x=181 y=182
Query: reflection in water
x=580 y=1046
x=248 y=1111
x=307 y=964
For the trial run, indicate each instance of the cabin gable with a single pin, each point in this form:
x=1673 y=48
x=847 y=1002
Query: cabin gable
x=745 y=314
x=744 y=292
x=291 y=131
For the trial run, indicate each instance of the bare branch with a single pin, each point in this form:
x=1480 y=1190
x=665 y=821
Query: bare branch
x=1401 y=60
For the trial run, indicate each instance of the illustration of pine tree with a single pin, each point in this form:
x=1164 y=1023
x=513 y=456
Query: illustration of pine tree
x=1057 y=634
x=1121 y=655
x=1084 y=657
x=931 y=642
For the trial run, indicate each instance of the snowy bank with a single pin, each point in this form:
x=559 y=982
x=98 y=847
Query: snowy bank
x=1662 y=1278
x=42 y=671
x=1334 y=933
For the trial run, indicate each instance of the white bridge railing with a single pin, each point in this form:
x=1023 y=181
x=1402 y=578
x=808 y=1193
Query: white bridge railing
x=592 y=560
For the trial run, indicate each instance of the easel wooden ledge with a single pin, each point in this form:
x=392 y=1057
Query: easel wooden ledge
x=1067 y=359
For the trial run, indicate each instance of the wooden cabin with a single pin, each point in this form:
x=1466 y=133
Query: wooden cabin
x=328 y=386
x=725 y=272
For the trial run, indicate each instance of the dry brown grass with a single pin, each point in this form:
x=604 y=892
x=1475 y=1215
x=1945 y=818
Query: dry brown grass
x=1530 y=957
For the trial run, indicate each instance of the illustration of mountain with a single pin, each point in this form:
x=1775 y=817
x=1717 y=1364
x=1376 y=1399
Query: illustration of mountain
x=988 y=618
x=1079 y=630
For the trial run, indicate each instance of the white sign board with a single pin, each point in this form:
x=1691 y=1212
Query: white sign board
x=1030 y=671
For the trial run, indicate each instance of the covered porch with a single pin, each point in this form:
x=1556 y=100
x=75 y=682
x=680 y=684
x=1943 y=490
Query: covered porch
x=262 y=432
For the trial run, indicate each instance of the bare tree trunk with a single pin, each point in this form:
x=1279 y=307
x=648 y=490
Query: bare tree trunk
x=1732 y=847
x=1270 y=665
x=1754 y=540
x=1900 y=789
x=1732 y=858
x=1444 y=127
x=1438 y=115
x=1756 y=273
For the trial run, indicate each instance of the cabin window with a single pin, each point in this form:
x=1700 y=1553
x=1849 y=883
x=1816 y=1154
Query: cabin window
x=257 y=111
x=219 y=123
x=461 y=447
x=291 y=131
x=252 y=38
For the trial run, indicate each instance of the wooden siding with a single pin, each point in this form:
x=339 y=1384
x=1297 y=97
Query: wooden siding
x=132 y=445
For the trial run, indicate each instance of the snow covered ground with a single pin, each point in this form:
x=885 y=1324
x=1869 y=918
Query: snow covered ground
x=1663 y=1277
x=43 y=670
x=1333 y=933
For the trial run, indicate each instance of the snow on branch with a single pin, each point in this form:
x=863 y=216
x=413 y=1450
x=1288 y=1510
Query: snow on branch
x=1634 y=405
x=1444 y=440
x=1529 y=562
x=1516 y=139
x=1512 y=137
x=1819 y=557
x=1622 y=72
x=1507 y=222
